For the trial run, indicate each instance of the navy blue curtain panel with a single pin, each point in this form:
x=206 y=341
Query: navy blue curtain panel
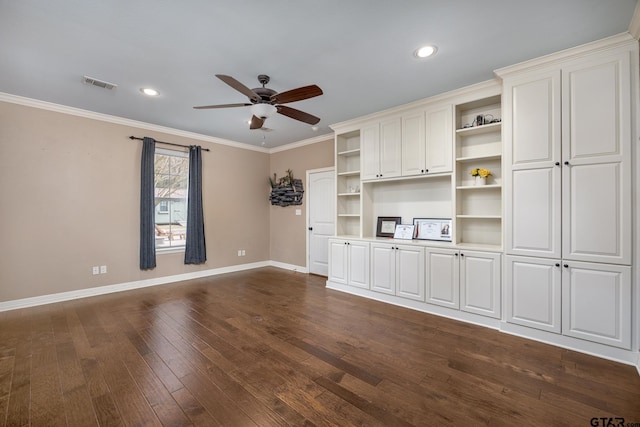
x=147 y=205
x=195 y=250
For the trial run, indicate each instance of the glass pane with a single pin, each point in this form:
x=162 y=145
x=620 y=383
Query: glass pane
x=171 y=182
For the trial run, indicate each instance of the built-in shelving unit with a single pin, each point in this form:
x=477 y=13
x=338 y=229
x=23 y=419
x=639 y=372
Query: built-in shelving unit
x=348 y=184
x=478 y=217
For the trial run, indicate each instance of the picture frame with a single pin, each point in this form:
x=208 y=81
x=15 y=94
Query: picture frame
x=404 y=231
x=440 y=229
x=387 y=225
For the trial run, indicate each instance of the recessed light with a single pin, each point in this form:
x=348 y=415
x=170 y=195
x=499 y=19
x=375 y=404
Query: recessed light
x=149 y=91
x=315 y=128
x=425 y=51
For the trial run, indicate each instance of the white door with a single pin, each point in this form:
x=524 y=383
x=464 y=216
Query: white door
x=532 y=131
x=321 y=223
x=439 y=140
x=390 y=148
x=413 y=144
x=410 y=272
x=480 y=283
x=596 y=125
x=443 y=277
x=596 y=302
x=533 y=288
x=358 y=262
x=383 y=268
x=338 y=267
x=370 y=152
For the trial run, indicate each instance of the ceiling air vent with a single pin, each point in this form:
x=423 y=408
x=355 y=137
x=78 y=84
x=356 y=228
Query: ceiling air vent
x=99 y=83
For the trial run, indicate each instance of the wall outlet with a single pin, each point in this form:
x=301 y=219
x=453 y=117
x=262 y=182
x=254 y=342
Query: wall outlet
x=298 y=212
x=96 y=270
x=243 y=252
x=103 y=269
x=239 y=252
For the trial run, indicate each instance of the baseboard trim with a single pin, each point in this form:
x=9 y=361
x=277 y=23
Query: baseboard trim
x=90 y=292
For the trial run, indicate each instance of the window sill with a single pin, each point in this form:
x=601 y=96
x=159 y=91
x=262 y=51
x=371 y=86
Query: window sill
x=172 y=250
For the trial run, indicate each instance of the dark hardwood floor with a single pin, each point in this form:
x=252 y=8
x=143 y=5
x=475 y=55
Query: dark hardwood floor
x=270 y=347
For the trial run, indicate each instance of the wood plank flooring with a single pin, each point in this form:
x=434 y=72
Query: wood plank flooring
x=269 y=347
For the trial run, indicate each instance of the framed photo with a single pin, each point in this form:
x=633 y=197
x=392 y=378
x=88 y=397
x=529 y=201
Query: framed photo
x=433 y=228
x=404 y=231
x=387 y=225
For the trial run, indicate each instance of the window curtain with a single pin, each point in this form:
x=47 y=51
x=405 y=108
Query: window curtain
x=147 y=205
x=195 y=250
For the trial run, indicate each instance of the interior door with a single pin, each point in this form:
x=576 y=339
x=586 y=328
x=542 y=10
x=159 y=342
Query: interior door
x=321 y=223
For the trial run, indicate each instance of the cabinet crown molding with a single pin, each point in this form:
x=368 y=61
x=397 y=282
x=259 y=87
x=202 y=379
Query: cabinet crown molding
x=623 y=40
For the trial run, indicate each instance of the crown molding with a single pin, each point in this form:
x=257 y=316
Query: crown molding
x=621 y=40
x=44 y=105
x=310 y=141
x=634 y=25
x=461 y=95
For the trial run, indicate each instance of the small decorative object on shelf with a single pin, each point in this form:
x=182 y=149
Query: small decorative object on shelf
x=480 y=175
x=286 y=191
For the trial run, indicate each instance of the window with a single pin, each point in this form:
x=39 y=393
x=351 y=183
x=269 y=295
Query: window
x=171 y=178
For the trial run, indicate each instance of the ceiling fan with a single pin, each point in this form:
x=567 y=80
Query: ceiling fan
x=264 y=101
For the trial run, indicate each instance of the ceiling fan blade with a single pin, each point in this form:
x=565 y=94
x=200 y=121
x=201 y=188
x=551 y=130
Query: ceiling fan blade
x=203 y=107
x=297 y=114
x=298 y=94
x=239 y=87
x=256 y=123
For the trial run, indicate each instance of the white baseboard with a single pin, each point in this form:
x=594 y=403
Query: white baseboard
x=291 y=267
x=90 y=292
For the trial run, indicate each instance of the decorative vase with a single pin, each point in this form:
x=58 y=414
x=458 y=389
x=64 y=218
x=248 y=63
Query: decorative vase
x=480 y=180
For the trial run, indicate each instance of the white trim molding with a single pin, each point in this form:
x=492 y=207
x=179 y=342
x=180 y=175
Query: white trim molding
x=634 y=25
x=44 y=105
x=102 y=290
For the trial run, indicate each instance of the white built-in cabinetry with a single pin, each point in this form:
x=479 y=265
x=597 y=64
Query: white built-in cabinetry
x=468 y=280
x=349 y=262
x=568 y=223
x=398 y=269
x=543 y=248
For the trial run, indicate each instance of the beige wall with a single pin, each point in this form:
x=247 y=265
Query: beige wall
x=288 y=231
x=70 y=200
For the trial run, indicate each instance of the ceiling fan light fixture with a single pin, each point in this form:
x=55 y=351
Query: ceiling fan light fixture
x=425 y=51
x=149 y=91
x=263 y=110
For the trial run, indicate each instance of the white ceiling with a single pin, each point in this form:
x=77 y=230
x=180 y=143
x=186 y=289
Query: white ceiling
x=358 y=51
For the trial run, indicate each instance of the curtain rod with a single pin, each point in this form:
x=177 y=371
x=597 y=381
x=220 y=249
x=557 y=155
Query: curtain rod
x=167 y=143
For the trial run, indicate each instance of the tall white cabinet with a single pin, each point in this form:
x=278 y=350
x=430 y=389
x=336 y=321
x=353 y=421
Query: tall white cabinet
x=568 y=129
x=546 y=247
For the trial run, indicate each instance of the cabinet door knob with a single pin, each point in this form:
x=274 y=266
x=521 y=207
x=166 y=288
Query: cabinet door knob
x=461 y=254
x=421 y=170
x=310 y=228
x=456 y=254
x=426 y=170
x=566 y=163
x=557 y=163
x=557 y=264
x=566 y=266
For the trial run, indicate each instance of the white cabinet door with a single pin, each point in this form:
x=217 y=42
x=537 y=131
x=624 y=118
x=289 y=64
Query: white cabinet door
x=410 y=272
x=532 y=132
x=442 y=277
x=596 y=302
x=439 y=139
x=413 y=144
x=370 y=152
x=533 y=288
x=338 y=267
x=390 y=148
x=596 y=135
x=358 y=264
x=383 y=268
x=480 y=283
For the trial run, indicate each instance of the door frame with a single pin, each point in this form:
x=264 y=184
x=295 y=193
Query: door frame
x=309 y=172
